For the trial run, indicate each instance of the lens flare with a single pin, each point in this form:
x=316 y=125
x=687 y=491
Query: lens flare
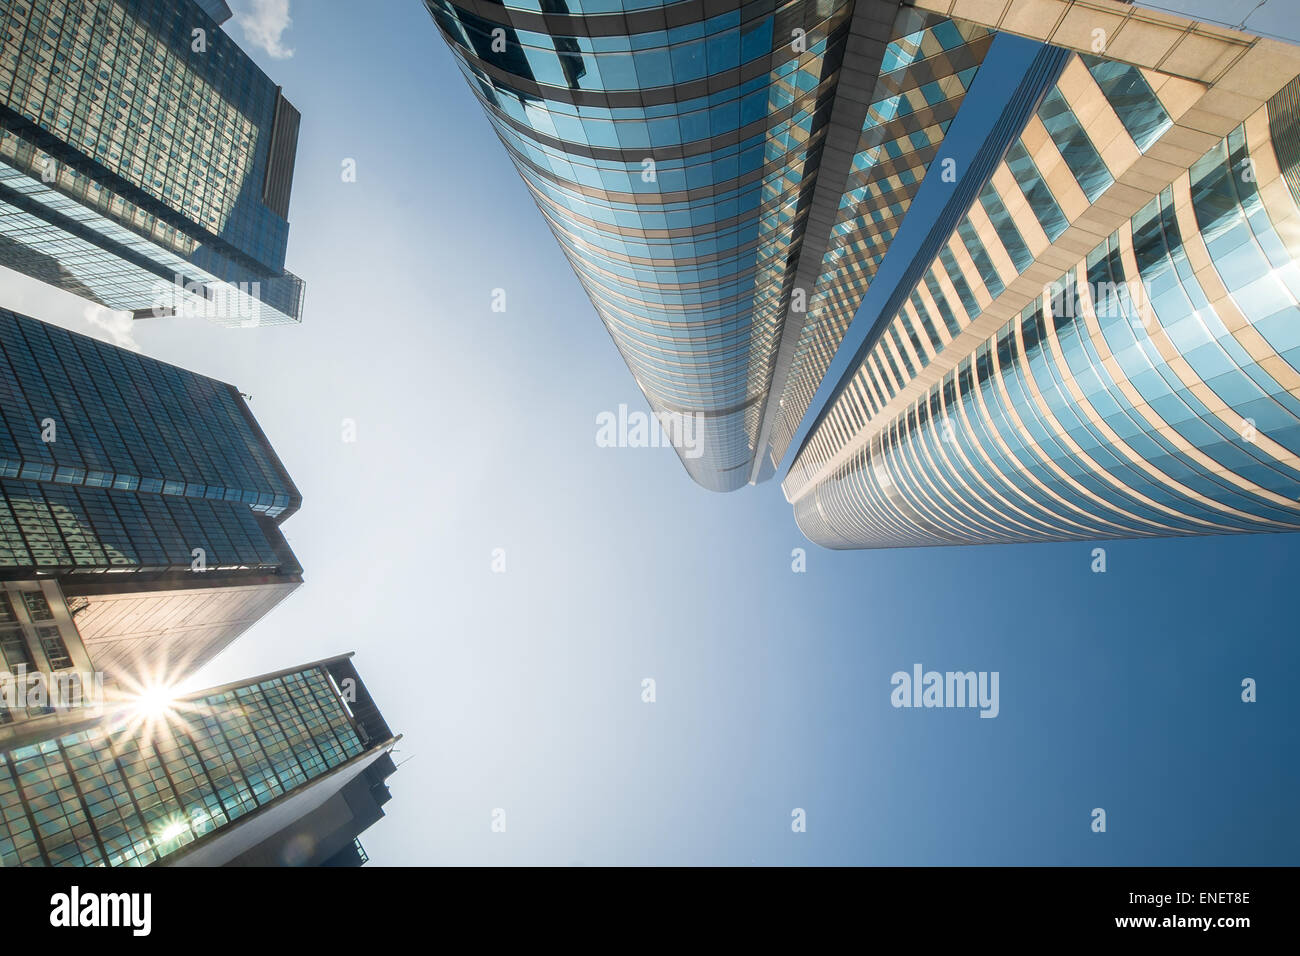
x=155 y=701
x=172 y=831
x=145 y=707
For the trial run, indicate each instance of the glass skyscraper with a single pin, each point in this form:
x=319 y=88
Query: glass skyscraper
x=724 y=179
x=146 y=162
x=149 y=493
x=1101 y=336
x=179 y=783
x=1097 y=337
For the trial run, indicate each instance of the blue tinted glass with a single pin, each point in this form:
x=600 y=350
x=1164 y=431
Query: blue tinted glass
x=992 y=281
x=1076 y=148
x=1005 y=228
x=959 y=282
x=1132 y=99
x=1041 y=200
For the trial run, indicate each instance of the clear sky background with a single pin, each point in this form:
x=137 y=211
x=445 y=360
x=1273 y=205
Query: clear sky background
x=523 y=690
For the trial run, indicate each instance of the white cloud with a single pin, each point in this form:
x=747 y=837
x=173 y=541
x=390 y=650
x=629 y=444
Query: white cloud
x=264 y=23
x=27 y=296
x=112 y=326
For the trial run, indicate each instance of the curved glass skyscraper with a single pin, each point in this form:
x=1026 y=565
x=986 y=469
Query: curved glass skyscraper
x=1062 y=368
x=723 y=178
x=1097 y=337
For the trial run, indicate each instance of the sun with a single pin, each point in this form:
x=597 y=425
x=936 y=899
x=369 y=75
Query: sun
x=173 y=830
x=145 y=707
x=154 y=701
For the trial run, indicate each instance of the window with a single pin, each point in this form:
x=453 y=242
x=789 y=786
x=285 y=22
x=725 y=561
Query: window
x=1003 y=225
x=1040 y=197
x=959 y=282
x=56 y=652
x=1076 y=148
x=37 y=606
x=1131 y=98
x=983 y=264
x=14 y=648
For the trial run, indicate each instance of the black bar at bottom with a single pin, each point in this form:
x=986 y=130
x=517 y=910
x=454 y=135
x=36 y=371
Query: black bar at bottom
x=300 y=906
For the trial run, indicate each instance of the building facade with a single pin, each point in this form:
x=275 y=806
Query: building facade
x=48 y=684
x=1103 y=339
x=250 y=773
x=148 y=495
x=722 y=177
x=146 y=162
x=726 y=180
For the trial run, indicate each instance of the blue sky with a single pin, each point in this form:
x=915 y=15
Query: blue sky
x=523 y=690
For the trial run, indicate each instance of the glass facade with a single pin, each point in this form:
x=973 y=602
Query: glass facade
x=1129 y=94
x=133 y=790
x=679 y=152
x=1153 y=389
x=928 y=66
x=27 y=623
x=985 y=252
x=675 y=152
x=135 y=154
x=110 y=461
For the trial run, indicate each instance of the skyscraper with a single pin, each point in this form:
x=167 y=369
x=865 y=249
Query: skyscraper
x=144 y=497
x=283 y=769
x=724 y=179
x=1100 y=337
x=146 y=162
x=1099 y=329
